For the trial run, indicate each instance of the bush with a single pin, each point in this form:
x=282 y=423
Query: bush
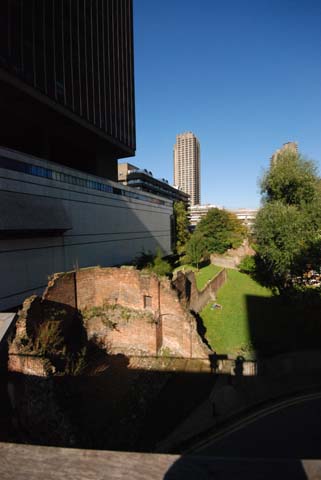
x=152 y=263
x=247 y=265
x=159 y=265
x=143 y=260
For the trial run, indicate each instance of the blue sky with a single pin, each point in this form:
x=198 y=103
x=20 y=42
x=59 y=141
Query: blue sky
x=243 y=75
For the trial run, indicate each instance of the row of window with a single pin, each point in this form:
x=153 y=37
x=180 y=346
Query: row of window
x=18 y=166
x=154 y=188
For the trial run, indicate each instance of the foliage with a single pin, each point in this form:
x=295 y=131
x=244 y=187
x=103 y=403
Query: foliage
x=280 y=235
x=159 y=265
x=49 y=338
x=196 y=249
x=288 y=227
x=152 y=263
x=221 y=230
x=247 y=265
x=143 y=260
x=104 y=312
x=77 y=362
x=181 y=227
x=291 y=180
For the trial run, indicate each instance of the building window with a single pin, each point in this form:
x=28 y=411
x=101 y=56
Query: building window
x=147 y=301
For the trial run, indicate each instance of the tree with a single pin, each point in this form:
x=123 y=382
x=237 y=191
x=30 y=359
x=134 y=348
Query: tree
x=288 y=226
x=291 y=180
x=280 y=236
x=195 y=249
x=221 y=230
x=181 y=227
x=159 y=265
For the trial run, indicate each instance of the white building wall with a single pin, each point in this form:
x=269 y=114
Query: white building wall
x=106 y=229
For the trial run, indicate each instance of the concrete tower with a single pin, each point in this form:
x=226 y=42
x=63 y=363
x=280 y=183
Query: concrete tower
x=187 y=166
x=286 y=147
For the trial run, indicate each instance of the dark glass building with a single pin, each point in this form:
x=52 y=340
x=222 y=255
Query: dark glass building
x=67 y=81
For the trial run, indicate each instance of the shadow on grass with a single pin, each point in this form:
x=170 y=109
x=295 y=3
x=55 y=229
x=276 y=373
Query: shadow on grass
x=279 y=325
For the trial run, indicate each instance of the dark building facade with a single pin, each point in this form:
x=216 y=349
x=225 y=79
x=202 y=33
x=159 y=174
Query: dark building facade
x=144 y=180
x=67 y=116
x=67 y=81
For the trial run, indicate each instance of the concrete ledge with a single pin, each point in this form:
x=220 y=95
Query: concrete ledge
x=21 y=462
x=6 y=320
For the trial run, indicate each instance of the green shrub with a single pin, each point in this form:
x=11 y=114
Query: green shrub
x=247 y=265
x=160 y=266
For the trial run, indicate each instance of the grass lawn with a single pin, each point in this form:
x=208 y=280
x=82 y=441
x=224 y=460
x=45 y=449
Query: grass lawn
x=203 y=275
x=252 y=320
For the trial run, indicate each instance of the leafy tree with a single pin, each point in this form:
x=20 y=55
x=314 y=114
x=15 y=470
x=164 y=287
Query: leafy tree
x=221 y=230
x=159 y=265
x=181 y=227
x=195 y=249
x=280 y=236
x=247 y=265
x=291 y=180
x=288 y=227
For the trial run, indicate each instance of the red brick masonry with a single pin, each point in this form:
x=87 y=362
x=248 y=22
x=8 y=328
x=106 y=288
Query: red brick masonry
x=162 y=324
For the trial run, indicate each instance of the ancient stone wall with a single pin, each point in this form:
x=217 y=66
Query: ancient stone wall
x=27 y=364
x=194 y=299
x=233 y=256
x=123 y=310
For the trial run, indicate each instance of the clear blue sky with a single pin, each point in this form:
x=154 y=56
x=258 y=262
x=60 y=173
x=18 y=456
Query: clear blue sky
x=243 y=75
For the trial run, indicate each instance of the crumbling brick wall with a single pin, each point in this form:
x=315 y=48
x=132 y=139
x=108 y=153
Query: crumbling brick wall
x=189 y=294
x=160 y=323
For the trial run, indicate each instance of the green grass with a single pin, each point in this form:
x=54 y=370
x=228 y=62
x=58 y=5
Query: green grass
x=203 y=275
x=252 y=320
x=227 y=330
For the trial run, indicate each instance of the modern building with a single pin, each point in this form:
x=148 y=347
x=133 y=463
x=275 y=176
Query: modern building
x=286 y=147
x=67 y=82
x=187 y=166
x=197 y=212
x=143 y=179
x=245 y=215
x=67 y=111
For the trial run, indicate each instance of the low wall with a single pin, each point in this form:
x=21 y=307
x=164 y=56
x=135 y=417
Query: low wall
x=233 y=256
x=196 y=299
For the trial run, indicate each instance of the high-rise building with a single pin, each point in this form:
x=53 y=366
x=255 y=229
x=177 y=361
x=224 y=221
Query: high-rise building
x=67 y=81
x=291 y=147
x=187 y=166
x=67 y=116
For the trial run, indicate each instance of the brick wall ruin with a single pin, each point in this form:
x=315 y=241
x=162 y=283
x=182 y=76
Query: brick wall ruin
x=124 y=310
x=233 y=256
x=194 y=299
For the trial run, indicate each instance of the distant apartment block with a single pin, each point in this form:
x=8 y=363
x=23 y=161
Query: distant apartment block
x=187 y=166
x=286 y=147
x=245 y=215
x=197 y=212
x=143 y=179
